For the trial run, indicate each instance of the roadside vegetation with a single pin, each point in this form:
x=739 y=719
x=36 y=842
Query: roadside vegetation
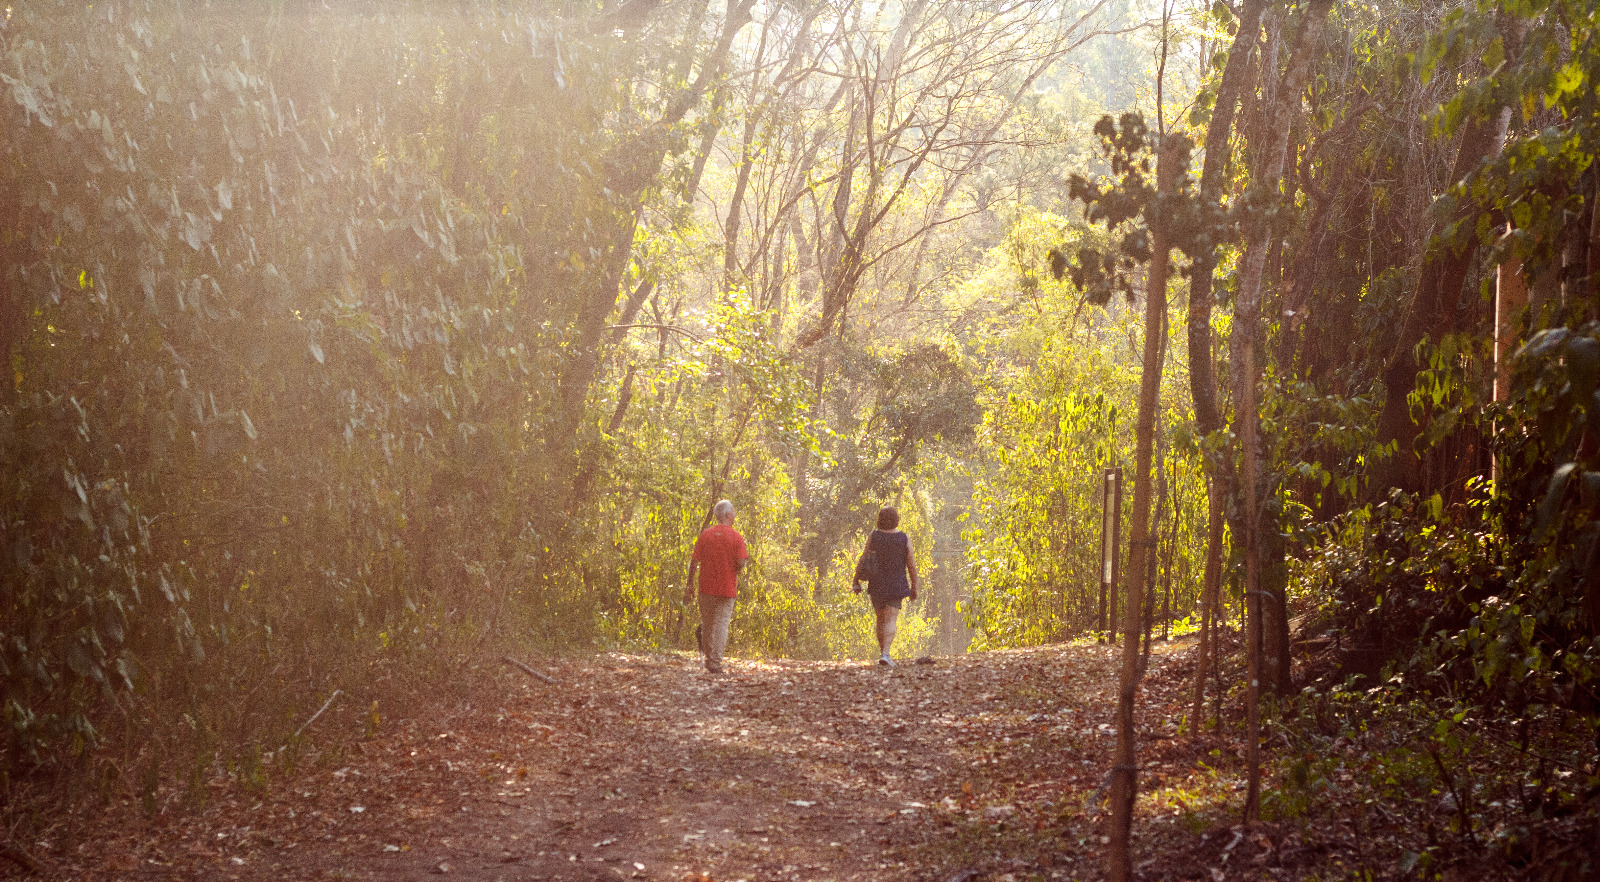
x=353 y=347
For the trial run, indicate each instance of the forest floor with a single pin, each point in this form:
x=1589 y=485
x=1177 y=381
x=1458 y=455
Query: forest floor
x=984 y=766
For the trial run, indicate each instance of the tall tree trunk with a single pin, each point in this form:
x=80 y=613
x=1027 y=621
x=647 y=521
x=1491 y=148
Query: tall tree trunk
x=630 y=169
x=1274 y=580
x=1124 y=775
x=1202 y=373
x=1247 y=420
x=1270 y=164
x=1433 y=311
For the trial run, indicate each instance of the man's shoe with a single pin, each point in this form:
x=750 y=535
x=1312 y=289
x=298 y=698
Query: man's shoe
x=885 y=660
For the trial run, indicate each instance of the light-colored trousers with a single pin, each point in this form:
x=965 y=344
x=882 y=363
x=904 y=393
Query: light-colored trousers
x=715 y=614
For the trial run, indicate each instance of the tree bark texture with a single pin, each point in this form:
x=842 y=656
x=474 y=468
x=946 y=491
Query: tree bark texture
x=1124 y=774
x=1435 y=309
x=1268 y=171
x=1202 y=372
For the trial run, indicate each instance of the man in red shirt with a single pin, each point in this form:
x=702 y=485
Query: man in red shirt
x=721 y=554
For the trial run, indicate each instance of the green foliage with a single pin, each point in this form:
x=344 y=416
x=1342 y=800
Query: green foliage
x=1499 y=590
x=311 y=370
x=284 y=353
x=1498 y=580
x=1463 y=783
x=888 y=410
x=1129 y=199
x=1049 y=429
x=1034 y=544
x=1542 y=60
x=1126 y=145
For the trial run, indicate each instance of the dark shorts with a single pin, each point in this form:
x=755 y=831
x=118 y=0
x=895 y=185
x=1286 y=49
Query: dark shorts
x=886 y=602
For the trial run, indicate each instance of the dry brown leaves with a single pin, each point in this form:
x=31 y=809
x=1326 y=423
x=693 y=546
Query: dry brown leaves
x=641 y=767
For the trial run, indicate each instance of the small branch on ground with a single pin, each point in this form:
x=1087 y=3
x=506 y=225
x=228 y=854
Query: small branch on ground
x=529 y=671
x=325 y=705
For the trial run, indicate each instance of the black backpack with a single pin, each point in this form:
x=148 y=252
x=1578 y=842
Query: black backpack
x=867 y=565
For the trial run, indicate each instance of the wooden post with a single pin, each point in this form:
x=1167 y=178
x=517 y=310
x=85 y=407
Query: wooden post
x=1510 y=299
x=1172 y=558
x=1110 y=542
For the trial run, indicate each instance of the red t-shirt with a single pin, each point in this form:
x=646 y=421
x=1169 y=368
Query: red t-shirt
x=717 y=550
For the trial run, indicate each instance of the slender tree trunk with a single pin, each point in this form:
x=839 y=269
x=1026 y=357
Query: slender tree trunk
x=1202 y=373
x=708 y=141
x=1274 y=585
x=1245 y=398
x=730 y=230
x=1246 y=330
x=1211 y=587
x=630 y=169
x=1124 y=775
x=1153 y=563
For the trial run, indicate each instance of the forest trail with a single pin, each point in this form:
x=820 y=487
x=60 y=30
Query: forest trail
x=642 y=767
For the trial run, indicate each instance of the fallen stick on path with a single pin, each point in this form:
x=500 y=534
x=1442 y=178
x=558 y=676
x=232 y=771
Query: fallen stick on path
x=325 y=705
x=529 y=671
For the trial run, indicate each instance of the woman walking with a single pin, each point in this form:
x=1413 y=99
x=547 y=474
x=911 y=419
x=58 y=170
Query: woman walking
x=891 y=576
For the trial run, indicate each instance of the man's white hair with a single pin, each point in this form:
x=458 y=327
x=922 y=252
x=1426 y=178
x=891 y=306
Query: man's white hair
x=722 y=511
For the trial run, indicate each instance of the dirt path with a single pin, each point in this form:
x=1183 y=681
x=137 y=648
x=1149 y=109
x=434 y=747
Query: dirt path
x=981 y=768
x=641 y=767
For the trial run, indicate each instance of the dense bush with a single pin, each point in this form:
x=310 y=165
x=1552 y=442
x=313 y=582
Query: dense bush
x=306 y=314
x=271 y=370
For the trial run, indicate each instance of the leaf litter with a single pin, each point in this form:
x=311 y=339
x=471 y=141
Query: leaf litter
x=983 y=766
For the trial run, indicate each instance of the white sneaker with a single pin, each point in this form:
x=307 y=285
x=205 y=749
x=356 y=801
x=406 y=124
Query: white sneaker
x=886 y=660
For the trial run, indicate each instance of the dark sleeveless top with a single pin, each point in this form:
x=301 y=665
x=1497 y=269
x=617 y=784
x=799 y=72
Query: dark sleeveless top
x=894 y=550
